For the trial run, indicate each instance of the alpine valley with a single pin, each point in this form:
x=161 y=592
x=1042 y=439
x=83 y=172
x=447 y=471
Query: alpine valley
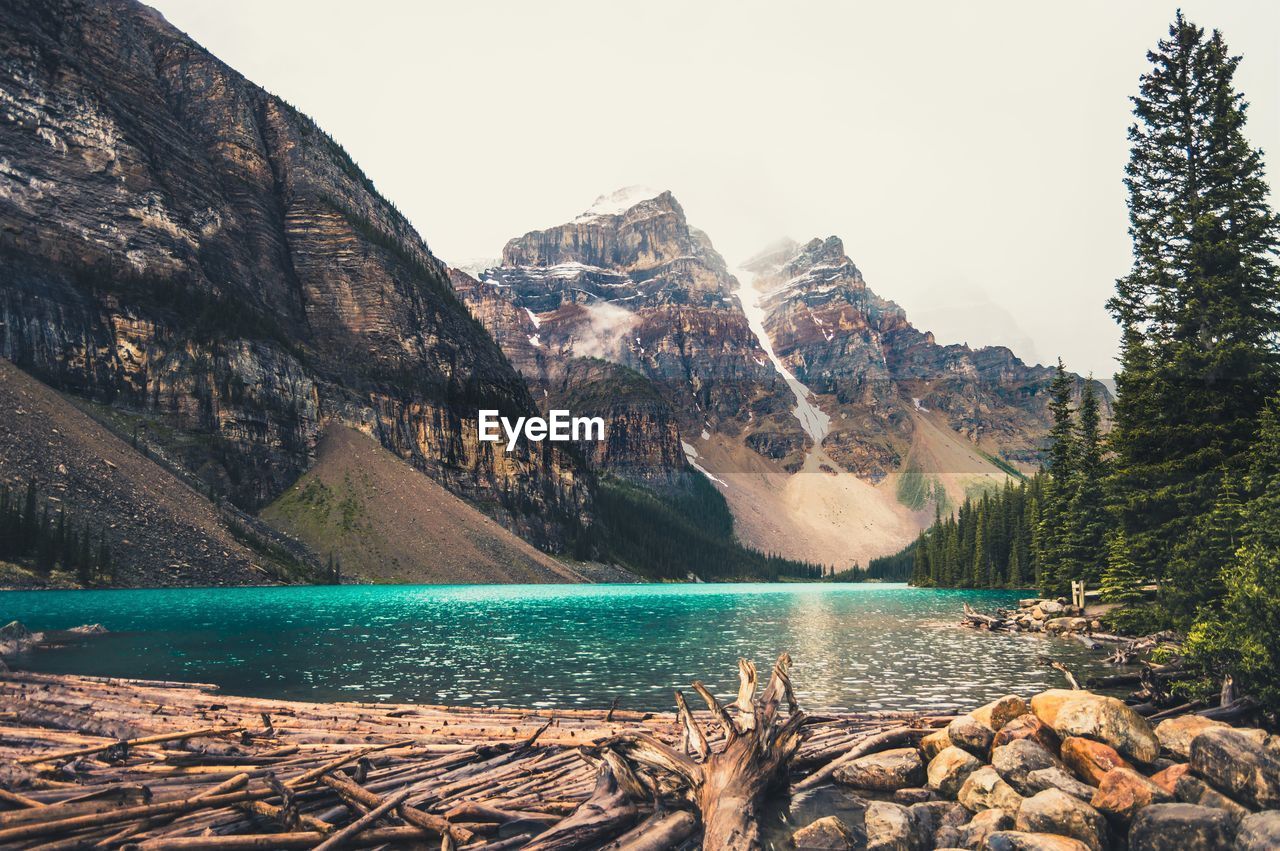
x=235 y=361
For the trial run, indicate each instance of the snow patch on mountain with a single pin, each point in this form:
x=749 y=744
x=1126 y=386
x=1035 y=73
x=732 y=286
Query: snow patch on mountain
x=815 y=421
x=617 y=203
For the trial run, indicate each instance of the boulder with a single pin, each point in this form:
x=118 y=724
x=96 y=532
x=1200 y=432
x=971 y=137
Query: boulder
x=929 y=818
x=1052 y=607
x=1090 y=760
x=825 y=834
x=1016 y=840
x=999 y=712
x=1053 y=811
x=1017 y=759
x=885 y=771
x=910 y=796
x=1060 y=779
x=1259 y=832
x=985 y=789
x=975 y=833
x=1184 y=827
x=888 y=827
x=1167 y=778
x=1192 y=790
x=935 y=743
x=1060 y=624
x=1110 y=721
x=15 y=638
x=971 y=734
x=1046 y=704
x=949 y=769
x=1124 y=791
x=1028 y=726
x=88 y=629
x=15 y=631
x=1175 y=734
x=1239 y=763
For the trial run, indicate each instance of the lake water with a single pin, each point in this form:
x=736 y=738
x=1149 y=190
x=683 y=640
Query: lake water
x=854 y=646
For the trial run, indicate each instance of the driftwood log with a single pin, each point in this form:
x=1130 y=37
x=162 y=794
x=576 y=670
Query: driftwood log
x=112 y=764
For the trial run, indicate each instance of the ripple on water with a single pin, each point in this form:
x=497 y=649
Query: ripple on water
x=855 y=646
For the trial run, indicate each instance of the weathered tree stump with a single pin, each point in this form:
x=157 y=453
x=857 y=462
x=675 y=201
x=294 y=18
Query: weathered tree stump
x=729 y=786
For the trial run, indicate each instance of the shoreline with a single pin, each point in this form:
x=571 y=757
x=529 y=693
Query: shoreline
x=473 y=766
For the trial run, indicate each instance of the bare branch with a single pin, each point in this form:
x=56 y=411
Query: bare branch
x=722 y=715
x=694 y=738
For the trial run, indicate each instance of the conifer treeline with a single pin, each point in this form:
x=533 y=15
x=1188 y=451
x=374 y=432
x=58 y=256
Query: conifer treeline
x=1045 y=531
x=30 y=532
x=1185 y=489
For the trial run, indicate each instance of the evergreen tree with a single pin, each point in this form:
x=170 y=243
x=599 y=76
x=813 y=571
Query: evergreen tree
x=1055 y=524
x=1122 y=579
x=46 y=554
x=30 y=521
x=1198 y=311
x=1088 y=520
x=1015 y=564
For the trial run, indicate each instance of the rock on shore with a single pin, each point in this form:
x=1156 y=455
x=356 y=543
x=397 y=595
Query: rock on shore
x=1069 y=770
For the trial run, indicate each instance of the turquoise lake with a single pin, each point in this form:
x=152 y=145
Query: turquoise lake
x=854 y=646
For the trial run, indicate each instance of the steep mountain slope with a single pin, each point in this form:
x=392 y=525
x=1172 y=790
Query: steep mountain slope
x=859 y=352
x=830 y=424
x=161 y=530
x=176 y=241
x=383 y=520
x=632 y=282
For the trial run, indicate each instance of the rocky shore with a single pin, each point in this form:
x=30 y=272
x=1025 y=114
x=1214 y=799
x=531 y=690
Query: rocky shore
x=1069 y=770
x=105 y=763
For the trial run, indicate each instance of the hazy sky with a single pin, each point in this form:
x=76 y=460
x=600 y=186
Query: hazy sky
x=969 y=154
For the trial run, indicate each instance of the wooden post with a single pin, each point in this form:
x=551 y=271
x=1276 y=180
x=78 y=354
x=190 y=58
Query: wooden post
x=1077 y=593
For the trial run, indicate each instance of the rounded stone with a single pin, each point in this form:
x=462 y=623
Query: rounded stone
x=886 y=771
x=1110 y=721
x=1185 y=827
x=971 y=734
x=949 y=769
x=1053 y=811
x=1091 y=760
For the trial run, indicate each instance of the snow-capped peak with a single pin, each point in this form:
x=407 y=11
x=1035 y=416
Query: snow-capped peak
x=618 y=202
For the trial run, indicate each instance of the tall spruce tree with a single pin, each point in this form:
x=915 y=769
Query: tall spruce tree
x=1088 y=520
x=1198 y=311
x=1055 y=522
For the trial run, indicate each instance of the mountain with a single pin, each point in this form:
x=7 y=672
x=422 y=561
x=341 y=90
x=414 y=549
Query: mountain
x=162 y=530
x=631 y=283
x=383 y=520
x=830 y=424
x=862 y=356
x=197 y=255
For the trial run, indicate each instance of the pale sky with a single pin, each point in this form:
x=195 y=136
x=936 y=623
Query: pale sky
x=970 y=155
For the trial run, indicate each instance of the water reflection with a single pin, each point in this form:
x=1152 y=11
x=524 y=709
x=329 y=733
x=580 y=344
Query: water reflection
x=854 y=646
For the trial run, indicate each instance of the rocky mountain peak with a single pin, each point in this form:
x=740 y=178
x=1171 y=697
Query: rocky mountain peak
x=627 y=199
x=628 y=231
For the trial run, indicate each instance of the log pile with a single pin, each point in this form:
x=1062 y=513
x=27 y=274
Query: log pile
x=112 y=763
x=1056 y=617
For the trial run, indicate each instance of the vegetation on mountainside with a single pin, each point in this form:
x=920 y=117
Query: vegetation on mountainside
x=673 y=537
x=1185 y=490
x=45 y=540
x=890 y=568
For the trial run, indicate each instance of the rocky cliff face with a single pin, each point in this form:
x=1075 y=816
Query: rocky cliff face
x=875 y=369
x=180 y=243
x=630 y=282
